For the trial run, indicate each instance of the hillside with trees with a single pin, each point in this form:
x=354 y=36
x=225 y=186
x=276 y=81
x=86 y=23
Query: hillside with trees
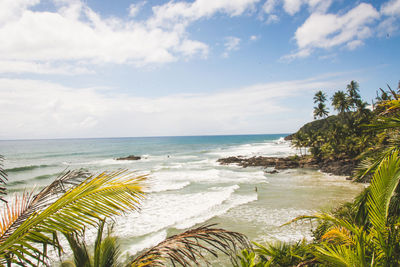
x=364 y=232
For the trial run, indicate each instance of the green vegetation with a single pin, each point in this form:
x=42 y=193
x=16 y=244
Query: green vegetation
x=341 y=136
x=362 y=233
x=76 y=200
x=366 y=231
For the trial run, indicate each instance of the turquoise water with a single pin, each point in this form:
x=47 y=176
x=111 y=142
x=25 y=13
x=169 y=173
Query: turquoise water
x=187 y=187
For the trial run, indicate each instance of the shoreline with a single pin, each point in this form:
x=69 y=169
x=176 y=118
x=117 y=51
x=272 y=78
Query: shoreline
x=341 y=167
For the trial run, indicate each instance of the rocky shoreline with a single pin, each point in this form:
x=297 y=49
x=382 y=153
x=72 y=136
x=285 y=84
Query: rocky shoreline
x=343 y=167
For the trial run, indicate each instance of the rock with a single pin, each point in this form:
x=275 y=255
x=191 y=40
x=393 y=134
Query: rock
x=130 y=157
x=289 y=137
x=343 y=167
x=272 y=172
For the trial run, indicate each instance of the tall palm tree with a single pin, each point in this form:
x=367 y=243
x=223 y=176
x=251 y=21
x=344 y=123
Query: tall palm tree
x=353 y=94
x=320 y=111
x=340 y=102
x=319 y=97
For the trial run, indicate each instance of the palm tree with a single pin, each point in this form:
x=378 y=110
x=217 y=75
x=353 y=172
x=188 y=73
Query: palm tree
x=185 y=249
x=72 y=202
x=320 y=111
x=372 y=241
x=353 y=93
x=76 y=200
x=340 y=102
x=319 y=97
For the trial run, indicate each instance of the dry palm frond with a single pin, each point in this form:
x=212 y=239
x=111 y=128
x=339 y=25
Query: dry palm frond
x=338 y=235
x=190 y=247
x=84 y=203
x=28 y=204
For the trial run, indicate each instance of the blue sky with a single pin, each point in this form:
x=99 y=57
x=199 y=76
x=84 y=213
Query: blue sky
x=151 y=68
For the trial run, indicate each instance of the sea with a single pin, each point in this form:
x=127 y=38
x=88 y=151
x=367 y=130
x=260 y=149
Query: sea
x=187 y=187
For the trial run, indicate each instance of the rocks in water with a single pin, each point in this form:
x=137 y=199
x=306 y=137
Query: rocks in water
x=272 y=172
x=333 y=166
x=130 y=157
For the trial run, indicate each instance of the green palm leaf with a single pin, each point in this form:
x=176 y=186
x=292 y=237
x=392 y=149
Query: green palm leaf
x=104 y=195
x=382 y=188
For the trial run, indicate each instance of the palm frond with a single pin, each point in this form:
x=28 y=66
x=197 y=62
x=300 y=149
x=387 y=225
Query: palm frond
x=104 y=195
x=367 y=167
x=188 y=248
x=338 y=235
x=383 y=186
x=29 y=204
x=341 y=255
x=3 y=180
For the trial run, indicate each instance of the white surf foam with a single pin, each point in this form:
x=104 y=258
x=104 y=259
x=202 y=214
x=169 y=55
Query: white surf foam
x=165 y=210
x=272 y=149
x=211 y=176
x=148 y=242
x=160 y=186
x=236 y=200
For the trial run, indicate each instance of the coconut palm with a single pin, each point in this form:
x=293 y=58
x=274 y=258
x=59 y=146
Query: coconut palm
x=340 y=102
x=373 y=242
x=106 y=250
x=189 y=247
x=320 y=111
x=72 y=202
x=76 y=200
x=319 y=97
x=353 y=94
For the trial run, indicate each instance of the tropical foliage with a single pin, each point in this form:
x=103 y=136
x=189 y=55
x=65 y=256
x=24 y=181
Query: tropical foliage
x=76 y=200
x=366 y=231
x=341 y=136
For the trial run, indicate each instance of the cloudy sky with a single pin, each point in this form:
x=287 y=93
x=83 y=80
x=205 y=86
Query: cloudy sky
x=91 y=68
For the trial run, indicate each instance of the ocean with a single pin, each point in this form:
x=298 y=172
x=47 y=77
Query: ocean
x=187 y=187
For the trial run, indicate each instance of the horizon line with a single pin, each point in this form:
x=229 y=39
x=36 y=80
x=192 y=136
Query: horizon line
x=125 y=137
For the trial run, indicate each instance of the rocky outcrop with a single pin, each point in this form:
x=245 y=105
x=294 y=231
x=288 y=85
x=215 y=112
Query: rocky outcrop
x=130 y=157
x=289 y=137
x=336 y=167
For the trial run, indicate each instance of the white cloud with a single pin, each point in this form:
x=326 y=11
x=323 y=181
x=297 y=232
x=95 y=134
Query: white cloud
x=76 y=33
x=292 y=6
x=391 y=8
x=254 y=37
x=354 y=44
x=269 y=6
x=330 y=30
x=135 y=8
x=388 y=27
x=11 y=10
x=10 y=66
x=232 y=43
x=272 y=19
x=169 y=14
x=38 y=109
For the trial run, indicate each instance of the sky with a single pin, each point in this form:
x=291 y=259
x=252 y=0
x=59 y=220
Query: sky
x=100 y=68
